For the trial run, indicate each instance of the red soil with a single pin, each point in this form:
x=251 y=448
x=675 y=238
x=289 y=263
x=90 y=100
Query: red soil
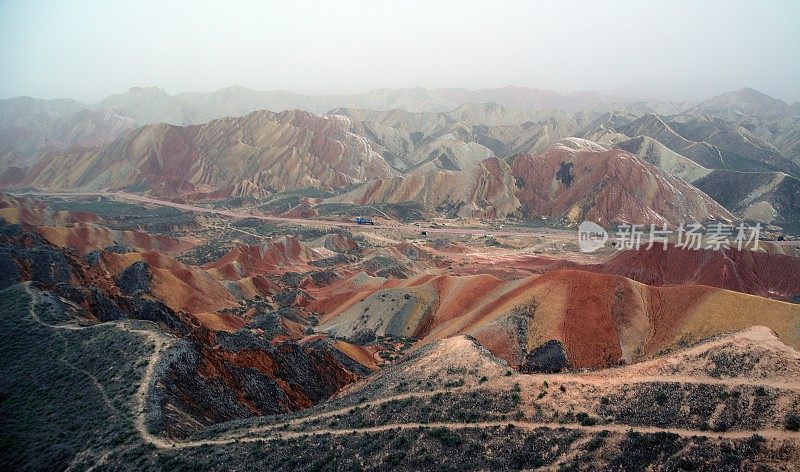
x=286 y=253
x=608 y=187
x=770 y=275
x=601 y=319
x=758 y=273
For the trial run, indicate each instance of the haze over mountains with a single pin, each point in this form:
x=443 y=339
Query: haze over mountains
x=174 y=336
x=399 y=236
x=203 y=278
x=741 y=148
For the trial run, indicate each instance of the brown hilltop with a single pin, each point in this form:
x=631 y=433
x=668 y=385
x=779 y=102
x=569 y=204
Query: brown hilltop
x=574 y=180
x=766 y=274
x=486 y=190
x=277 y=256
x=600 y=319
x=268 y=150
x=577 y=180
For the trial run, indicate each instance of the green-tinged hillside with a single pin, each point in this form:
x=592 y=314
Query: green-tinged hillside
x=67 y=395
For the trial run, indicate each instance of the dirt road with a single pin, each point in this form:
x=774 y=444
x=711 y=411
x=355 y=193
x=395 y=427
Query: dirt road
x=411 y=228
x=277 y=430
x=303 y=221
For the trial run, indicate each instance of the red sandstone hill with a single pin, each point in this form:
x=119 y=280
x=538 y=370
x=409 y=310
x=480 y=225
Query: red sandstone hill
x=86 y=237
x=35 y=212
x=262 y=150
x=487 y=190
x=765 y=274
x=573 y=181
x=600 y=319
x=82 y=231
x=758 y=273
x=578 y=180
x=278 y=256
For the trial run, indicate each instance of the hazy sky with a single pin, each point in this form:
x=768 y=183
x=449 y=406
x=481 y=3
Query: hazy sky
x=89 y=49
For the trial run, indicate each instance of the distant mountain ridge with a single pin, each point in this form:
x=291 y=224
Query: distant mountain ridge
x=457 y=139
x=570 y=182
x=252 y=155
x=150 y=105
x=434 y=147
x=745 y=102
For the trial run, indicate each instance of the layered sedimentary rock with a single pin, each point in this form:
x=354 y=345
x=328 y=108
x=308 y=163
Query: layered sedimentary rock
x=263 y=150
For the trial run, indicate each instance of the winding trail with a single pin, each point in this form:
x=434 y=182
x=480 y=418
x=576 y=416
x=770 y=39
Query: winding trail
x=35 y=299
x=161 y=343
x=570 y=235
x=159 y=340
x=527 y=425
x=237 y=214
x=276 y=431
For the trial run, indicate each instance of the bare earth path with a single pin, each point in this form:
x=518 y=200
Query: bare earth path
x=159 y=340
x=527 y=425
x=269 y=432
x=328 y=223
x=34 y=295
x=281 y=219
x=161 y=343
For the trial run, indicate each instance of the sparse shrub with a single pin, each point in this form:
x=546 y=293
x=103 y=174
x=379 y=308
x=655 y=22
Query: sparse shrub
x=400 y=443
x=595 y=443
x=720 y=426
x=793 y=422
x=585 y=419
x=395 y=457
x=661 y=397
x=454 y=383
x=446 y=437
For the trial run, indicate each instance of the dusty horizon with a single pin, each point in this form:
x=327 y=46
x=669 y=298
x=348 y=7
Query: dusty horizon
x=88 y=50
x=683 y=91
